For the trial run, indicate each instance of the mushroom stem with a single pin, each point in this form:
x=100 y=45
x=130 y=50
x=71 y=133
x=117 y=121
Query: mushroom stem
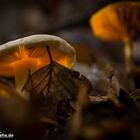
x=129 y=63
x=21 y=71
x=20 y=77
x=128 y=55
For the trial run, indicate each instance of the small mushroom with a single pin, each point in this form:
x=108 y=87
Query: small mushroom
x=29 y=53
x=119 y=22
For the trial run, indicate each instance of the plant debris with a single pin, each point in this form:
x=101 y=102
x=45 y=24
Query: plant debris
x=54 y=91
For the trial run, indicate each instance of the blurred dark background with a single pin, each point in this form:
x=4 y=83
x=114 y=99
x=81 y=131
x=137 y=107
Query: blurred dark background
x=68 y=19
x=22 y=18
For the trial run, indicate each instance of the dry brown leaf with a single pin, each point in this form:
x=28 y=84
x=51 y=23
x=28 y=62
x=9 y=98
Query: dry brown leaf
x=53 y=84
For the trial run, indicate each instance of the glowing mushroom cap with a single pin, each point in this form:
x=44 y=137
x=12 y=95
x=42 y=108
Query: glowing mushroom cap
x=117 y=21
x=17 y=57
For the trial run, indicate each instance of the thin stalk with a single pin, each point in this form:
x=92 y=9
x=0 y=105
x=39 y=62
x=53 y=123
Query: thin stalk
x=20 y=77
x=128 y=55
x=129 y=63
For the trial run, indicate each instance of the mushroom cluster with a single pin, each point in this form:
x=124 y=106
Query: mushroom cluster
x=62 y=103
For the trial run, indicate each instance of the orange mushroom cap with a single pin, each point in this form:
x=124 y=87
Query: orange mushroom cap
x=29 y=53
x=117 y=21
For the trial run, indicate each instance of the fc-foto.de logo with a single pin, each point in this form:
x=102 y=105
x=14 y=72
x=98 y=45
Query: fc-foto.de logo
x=4 y=136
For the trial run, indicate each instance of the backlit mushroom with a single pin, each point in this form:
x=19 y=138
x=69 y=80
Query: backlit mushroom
x=29 y=53
x=120 y=22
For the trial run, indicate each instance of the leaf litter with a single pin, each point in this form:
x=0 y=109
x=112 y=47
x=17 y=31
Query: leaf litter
x=68 y=103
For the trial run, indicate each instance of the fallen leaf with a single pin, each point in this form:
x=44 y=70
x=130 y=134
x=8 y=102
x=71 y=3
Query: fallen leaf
x=53 y=84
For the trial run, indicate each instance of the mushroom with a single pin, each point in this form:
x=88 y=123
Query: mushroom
x=29 y=53
x=118 y=22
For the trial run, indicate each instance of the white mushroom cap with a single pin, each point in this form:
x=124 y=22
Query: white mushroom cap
x=18 y=56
